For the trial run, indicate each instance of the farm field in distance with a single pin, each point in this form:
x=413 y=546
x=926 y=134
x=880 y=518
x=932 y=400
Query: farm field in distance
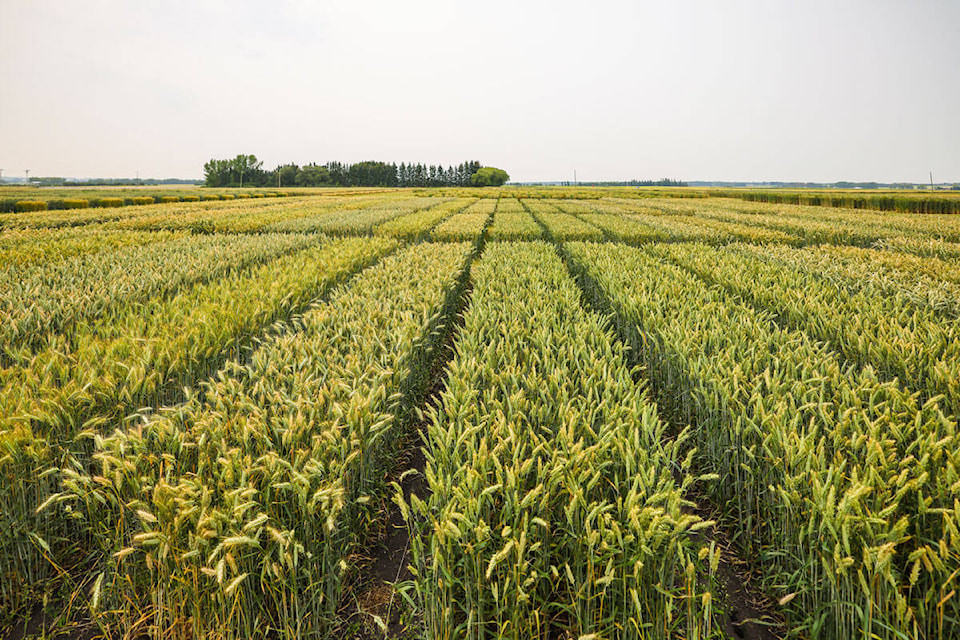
x=480 y=413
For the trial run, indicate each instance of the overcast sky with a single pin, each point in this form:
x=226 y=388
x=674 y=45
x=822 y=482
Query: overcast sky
x=697 y=90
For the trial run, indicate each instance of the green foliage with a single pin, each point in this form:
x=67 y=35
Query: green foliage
x=489 y=177
x=143 y=200
x=190 y=198
x=168 y=199
x=75 y=203
x=110 y=202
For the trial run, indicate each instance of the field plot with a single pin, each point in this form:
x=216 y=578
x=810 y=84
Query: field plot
x=552 y=506
x=420 y=223
x=468 y=224
x=480 y=413
x=512 y=222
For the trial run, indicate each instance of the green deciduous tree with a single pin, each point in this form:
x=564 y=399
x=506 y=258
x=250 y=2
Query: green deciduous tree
x=490 y=177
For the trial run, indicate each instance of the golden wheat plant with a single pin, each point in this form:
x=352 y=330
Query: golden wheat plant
x=419 y=224
x=672 y=227
x=925 y=247
x=354 y=221
x=123 y=217
x=238 y=514
x=26 y=247
x=467 y=225
x=246 y=216
x=508 y=204
x=249 y=216
x=44 y=303
x=817 y=225
x=562 y=226
x=320 y=210
x=943 y=226
x=140 y=357
x=924 y=282
x=512 y=222
x=573 y=207
x=727 y=228
x=896 y=337
x=619 y=227
x=844 y=487
x=805 y=231
x=553 y=509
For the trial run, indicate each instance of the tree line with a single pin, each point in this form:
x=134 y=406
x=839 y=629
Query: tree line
x=247 y=170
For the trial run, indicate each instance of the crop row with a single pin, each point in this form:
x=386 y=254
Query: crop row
x=419 y=224
x=511 y=224
x=357 y=218
x=139 y=358
x=205 y=217
x=239 y=515
x=78 y=201
x=844 y=488
x=561 y=225
x=680 y=224
x=891 y=334
x=924 y=281
x=24 y=247
x=39 y=303
x=468 y=224
x=82 y=217
x=818 y=225
x=236 y=219
x=926 y=203
x=552 y=508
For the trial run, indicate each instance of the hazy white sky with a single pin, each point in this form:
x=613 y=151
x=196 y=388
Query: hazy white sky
x=697 y=90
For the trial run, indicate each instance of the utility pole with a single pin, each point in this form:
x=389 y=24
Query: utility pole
x=931 y=180
x=574 y=177
x=241 y=178
x=278 y=177
x=27 y=171
x=1 y=175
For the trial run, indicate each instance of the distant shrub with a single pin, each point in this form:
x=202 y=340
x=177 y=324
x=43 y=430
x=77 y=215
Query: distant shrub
x=30 y=205
x=281 y=194
x=256 y=195
x=227 y=196
x=210 y=196
x=191 y=198
x=243 y=195
x=169 y=199
x=111 y=202
x=143 y=200
x=75 y=203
